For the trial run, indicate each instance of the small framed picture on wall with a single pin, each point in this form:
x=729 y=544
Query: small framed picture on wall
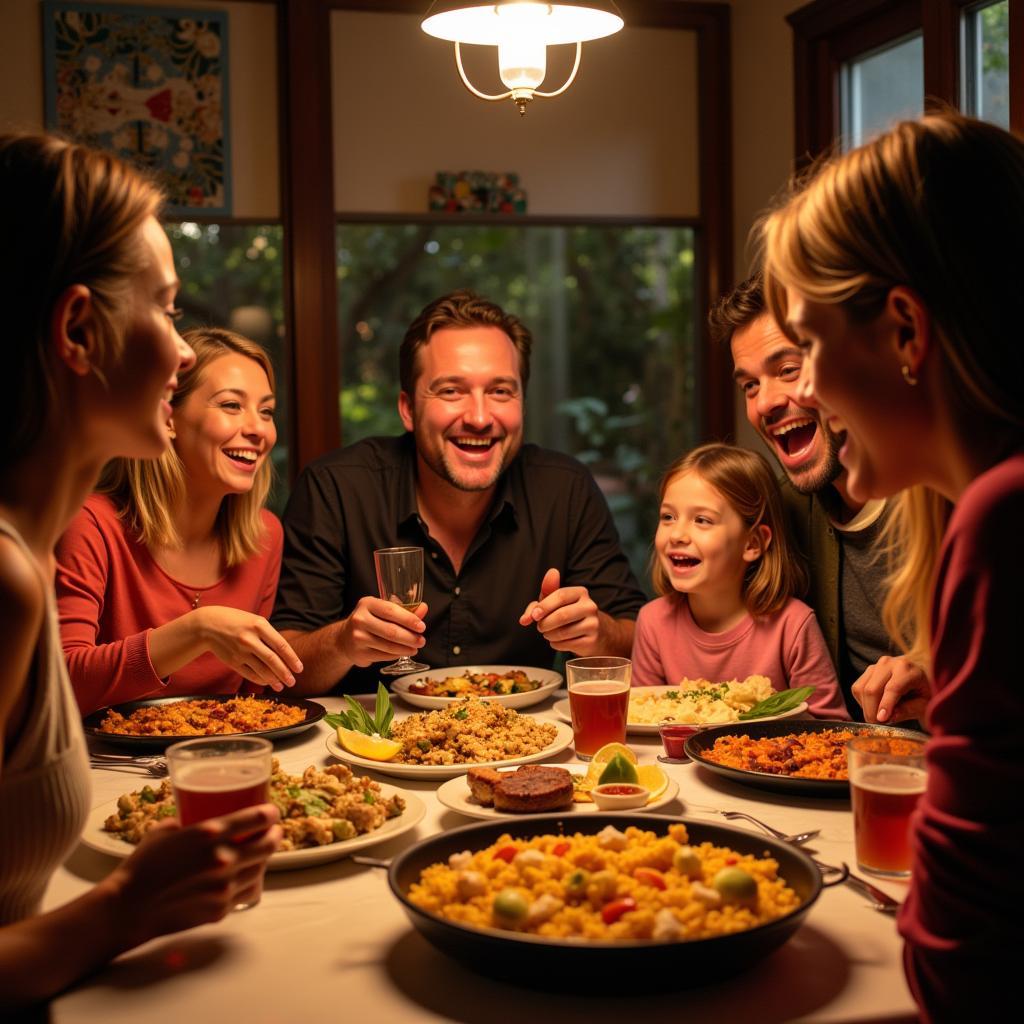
x=149 y=84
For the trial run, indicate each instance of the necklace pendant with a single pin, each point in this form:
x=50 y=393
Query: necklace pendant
x=195 y=600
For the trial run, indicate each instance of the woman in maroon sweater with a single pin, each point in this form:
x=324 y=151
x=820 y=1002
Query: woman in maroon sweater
x=166 y=576
x=899 y=271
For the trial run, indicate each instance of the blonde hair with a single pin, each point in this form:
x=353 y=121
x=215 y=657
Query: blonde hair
x=146 y=491
x=68 y=215
x=936 y=205
x=747 y=483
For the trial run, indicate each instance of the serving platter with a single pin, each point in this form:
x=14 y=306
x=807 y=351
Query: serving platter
x=455 y=795
x=561 y=708
x=539 y=962
x=97 y=839
x=563 y=738
x=549 y=680
x=91 y=723
x=697 y=746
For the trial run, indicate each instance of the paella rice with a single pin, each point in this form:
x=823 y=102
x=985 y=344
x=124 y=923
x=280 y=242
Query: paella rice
x=800 y=755
x=203 y=717
x=468 y=732
x=319 y=807
x=615 y=886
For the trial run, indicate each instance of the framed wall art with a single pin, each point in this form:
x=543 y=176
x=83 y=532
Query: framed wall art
x=147 y=83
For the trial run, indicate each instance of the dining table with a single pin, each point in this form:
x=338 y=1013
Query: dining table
x=331 y=942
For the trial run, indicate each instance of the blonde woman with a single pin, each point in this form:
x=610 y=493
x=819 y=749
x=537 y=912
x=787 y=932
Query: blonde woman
x=898 y=270
x=166 y=576
x=91 y=359
x=726 y=576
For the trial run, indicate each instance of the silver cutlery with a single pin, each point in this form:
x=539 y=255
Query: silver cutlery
x=795 y=840
x=153 y=765
x=880 y=901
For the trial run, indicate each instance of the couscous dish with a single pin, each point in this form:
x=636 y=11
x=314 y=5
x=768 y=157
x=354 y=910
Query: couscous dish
x=469 y=732
x=614 y=886
x=697 y=701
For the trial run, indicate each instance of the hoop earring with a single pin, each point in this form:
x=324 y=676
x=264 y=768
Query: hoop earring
x=908 y=376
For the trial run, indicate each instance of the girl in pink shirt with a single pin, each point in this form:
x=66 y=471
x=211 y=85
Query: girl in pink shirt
x=726 y=575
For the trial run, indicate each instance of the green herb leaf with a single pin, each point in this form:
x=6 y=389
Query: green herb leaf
x=777 y=703
x=462 y=714
x=368 y=797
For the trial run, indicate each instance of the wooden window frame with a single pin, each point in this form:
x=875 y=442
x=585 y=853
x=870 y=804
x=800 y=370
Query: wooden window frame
x=826 y=33
x=307 y=191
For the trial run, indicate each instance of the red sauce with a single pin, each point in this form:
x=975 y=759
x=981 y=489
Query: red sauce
x=610 y=789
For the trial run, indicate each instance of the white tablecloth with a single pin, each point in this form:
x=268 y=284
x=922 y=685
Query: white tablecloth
x=332 y=943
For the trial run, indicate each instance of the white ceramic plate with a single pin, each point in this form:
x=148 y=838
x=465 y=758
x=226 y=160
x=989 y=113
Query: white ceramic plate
x=455 y=795
x=563 y=737
x=95 y=838
x=550 y=681
x=561 y=708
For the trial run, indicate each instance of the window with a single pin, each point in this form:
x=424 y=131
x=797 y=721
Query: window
x=985 y=62
x=231 y=277
x=612 y=312
x=881 y=87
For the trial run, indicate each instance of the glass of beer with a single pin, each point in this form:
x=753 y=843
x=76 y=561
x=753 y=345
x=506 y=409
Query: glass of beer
x=400 y=580
x=218 y=775
x=887 y=776
x=598 y=702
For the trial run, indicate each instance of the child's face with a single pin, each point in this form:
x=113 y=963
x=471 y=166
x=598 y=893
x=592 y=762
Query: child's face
x=702 y=543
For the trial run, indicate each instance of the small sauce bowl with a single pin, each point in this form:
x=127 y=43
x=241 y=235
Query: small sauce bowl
x=619 y=796
x=674 y=735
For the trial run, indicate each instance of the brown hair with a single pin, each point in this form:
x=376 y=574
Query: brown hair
x=68 y=215
x=460 y=309
x=936 y=205
x=747 y=483
x=737 y=309
x=146 y=491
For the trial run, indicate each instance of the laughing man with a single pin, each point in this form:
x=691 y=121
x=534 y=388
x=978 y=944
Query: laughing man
x=839 y=537
x=521 y=556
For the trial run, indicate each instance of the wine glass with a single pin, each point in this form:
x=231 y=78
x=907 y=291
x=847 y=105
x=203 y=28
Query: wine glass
x=400 y=580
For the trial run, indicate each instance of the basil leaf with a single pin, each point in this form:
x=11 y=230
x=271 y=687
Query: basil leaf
x=382 y=702
x=777 y=703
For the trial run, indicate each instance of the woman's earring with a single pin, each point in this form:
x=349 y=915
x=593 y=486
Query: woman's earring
x=171 y=432
x=908 y=376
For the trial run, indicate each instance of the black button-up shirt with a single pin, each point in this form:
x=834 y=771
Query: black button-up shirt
x=547 y=512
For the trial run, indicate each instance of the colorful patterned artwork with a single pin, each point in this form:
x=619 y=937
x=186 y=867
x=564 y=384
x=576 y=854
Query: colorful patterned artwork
x=149 y=84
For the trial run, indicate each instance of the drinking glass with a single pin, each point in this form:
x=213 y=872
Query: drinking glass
x=400 y=580
x=887 y=776
x=218 y=775
x=598 y=702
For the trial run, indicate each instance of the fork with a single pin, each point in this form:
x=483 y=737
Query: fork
x=796 y=839
x=156 y=766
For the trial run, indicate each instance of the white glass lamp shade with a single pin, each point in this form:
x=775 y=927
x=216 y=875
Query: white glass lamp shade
x=551 y=24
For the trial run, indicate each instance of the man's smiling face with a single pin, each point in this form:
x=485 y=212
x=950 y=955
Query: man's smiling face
x=767 y=369
x=467 y=411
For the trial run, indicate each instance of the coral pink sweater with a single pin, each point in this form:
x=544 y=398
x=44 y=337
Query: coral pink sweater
x=787 y=647
x=111 y=593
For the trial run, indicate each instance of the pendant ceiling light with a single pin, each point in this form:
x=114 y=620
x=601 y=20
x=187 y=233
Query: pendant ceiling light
x=521 y=30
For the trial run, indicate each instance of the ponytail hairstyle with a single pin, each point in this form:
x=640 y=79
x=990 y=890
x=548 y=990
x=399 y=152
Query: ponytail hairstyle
x=747 y=483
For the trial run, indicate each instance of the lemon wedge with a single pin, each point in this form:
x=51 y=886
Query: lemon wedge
x=609 y=750
x=651 y=777
x=374 y=748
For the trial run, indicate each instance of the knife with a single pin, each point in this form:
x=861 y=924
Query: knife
x=880 y=901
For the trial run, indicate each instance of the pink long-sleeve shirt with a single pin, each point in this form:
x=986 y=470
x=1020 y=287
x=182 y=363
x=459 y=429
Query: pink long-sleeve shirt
x=111 y=594
x=787 y=647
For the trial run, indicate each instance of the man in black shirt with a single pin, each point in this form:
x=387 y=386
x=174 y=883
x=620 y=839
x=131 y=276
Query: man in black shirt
x=521 y=556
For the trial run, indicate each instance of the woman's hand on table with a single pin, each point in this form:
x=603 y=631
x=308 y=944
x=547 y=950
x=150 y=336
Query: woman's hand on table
x=178 y=877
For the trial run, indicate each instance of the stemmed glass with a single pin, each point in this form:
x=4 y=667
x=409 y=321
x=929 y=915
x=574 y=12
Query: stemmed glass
x=400 y=580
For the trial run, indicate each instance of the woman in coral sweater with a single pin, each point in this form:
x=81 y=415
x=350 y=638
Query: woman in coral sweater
x=167 y=574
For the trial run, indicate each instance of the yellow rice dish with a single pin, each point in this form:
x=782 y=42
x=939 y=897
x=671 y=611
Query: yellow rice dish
x=611 y=887
x=697 y=702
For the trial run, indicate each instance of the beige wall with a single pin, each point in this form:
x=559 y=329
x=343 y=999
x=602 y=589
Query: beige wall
x=620 y=141
x=762 y=127
x=252 y=38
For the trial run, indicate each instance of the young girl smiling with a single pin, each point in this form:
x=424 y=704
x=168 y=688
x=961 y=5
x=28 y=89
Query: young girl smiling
x=726 y=578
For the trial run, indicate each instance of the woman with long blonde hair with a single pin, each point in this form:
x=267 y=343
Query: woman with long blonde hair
x=166 y=576
x=898 y=270
x=91 y=359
